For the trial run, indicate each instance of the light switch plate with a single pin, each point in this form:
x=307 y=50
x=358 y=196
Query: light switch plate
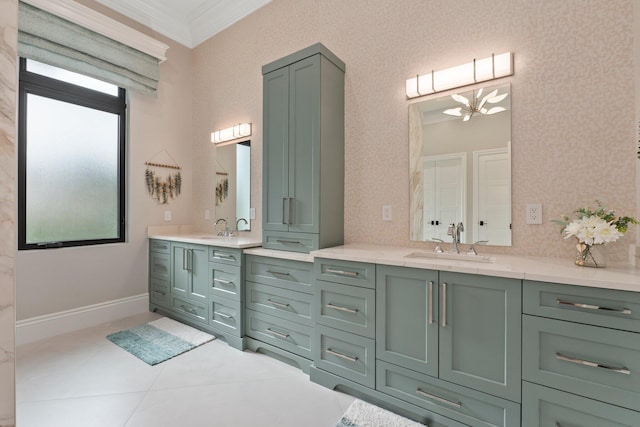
x=387 y=214
x=167 y=215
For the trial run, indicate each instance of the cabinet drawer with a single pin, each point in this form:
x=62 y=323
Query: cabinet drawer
x=344 y=354
x=162 y=246
x=348 y=308
x=293 y=242
x=595 y=306
x=345 y=272
x=160 y=265
x=226 y=281
x=226 y=315
x=465 y=405
x=591 y=361
x=279 y=302
x=293 y=275
x=289 y=336
x=225 y=255
x=192 y=310
x=159 y=292
x=542 y=406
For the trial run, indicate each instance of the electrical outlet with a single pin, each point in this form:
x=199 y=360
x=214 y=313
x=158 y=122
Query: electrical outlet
x=167 y=215
x=252 y=213
x=387 y=214
x=207 y=215
x=534 y=213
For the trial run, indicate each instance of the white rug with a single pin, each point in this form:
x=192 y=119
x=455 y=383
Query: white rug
x=363 y=414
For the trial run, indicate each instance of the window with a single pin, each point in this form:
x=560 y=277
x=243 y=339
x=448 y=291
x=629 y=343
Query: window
x=71 y=159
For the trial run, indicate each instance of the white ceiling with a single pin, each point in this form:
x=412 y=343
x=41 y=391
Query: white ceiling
x=189 y=22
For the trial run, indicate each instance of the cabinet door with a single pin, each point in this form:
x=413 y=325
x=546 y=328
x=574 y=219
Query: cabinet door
x=406 y=318
x=480 y=333
x=276 y=150
x=179 y=273
x=198 y=265
x=304 y=145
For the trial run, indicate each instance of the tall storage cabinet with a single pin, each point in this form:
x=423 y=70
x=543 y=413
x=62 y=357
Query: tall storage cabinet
x=303 y=149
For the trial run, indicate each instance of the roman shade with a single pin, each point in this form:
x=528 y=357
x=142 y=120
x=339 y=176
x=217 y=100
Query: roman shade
x=48 y=38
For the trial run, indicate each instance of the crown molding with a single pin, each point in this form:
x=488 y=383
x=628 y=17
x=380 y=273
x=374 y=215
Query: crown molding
x=101 y=24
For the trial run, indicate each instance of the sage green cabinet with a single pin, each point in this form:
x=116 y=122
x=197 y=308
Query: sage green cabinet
x=303 y=151
x=461 y=328
x=190 y=270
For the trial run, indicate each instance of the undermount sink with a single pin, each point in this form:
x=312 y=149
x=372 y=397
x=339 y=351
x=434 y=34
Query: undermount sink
x=452 y=256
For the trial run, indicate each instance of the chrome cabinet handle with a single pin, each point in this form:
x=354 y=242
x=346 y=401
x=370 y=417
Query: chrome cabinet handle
x=621 y=370
x=430 y=302
x=342 y=356
x=278 y=273
x=221 y=314
x=444 y=305
x=290 y=208
x=421 y=392
x=279 y=304
x=190 y=260
x=189 y=309
x=342 y=272
x=278 y=334
x=224 y=282
x=284 y=200
x=184 y=259
x=594 y=307
x=159 y=293
x=340 y=308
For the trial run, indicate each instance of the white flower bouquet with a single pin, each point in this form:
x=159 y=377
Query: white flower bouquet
x=594 y=227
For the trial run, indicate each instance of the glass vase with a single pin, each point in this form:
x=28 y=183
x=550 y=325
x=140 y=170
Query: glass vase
x=591 y=255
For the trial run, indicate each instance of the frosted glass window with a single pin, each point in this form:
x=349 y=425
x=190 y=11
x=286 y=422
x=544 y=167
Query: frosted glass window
x=71 y=77
x=71 y=148
x=72 y=172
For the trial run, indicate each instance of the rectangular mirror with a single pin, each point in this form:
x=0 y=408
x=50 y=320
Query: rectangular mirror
x=460 y=166
x=233 y=184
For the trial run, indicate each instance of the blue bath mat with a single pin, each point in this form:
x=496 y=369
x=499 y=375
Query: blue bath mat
x=160 y=340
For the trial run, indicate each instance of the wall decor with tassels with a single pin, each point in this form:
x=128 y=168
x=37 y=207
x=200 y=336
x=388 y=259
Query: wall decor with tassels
x=161 y=188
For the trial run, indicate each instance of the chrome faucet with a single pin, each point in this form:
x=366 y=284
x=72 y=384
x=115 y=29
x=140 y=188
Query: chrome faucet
x=238 y=222
x=438 y=248
x=472 y=249
x=226 y=231
x=454 y=231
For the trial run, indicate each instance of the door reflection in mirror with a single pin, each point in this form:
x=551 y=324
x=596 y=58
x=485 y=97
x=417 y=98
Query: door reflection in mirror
x=460 y=170
x=233 y=184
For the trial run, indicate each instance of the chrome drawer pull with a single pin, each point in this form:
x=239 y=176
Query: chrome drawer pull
x=618 y=369
x=439 y=399
x=189 y=310
x=342 y=272
x=289 y=242
x=223 y=256
x=278 y=334
x=221 y=314
x=279 y=304
x=339 y=308
x=224 y=282
x=342 y=356
x=278 y=273
x=159 y=293
x=594 y=307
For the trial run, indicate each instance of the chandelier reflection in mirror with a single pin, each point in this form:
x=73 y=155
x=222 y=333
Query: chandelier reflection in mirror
x=477 y=104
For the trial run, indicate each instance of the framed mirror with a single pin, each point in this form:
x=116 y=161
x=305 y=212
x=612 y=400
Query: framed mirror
x=233 y=184
x=460 y=166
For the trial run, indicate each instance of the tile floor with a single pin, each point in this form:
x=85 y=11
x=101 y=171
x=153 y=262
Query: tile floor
x=82 y=379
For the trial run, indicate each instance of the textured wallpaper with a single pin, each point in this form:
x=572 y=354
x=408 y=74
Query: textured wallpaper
x=573 y=118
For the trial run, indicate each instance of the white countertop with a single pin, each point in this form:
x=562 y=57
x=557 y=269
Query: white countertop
x=186 y=234
x=621 y=277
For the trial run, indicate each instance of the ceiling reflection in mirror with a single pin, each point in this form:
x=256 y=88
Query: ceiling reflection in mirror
x=460 y=166
x=233 y=185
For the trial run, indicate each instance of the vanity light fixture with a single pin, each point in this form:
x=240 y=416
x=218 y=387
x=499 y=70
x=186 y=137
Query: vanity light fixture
x=479 y=70
x=237 y=131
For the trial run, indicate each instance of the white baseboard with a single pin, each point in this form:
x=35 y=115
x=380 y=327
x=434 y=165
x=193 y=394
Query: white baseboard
x=41 y=327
